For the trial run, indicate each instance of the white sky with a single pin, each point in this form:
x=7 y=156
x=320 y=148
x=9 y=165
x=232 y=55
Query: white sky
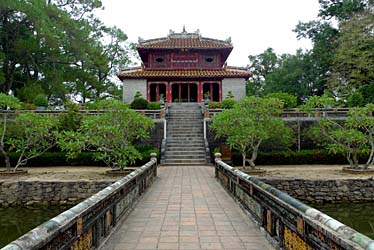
x=253 y=25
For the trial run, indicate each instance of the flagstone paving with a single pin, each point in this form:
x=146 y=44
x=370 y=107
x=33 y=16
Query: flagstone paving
x=187 y=208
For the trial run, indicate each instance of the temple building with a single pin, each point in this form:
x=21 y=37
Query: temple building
x=184 y=67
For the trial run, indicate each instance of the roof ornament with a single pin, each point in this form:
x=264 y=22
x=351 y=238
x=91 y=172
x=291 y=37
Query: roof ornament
x=229 y=40
x=140 y=40
x=184 y=29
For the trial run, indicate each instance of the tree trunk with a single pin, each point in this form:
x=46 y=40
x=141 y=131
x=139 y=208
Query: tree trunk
x=244 y=155
x=370 y=159
x=355 y=160
x=2 y=150
x=6 y=158
x=253 y=158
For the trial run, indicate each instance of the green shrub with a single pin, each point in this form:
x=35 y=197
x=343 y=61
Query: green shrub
x=71 y=120
x=40 y=100
x=154 y=106
x=28 y=106
x=138 y=95
x=228 y=103
x=230 y=95
x=356 y=100
x=139 y=103
x=55 y=159
x=290 y=101
x=214 y=105
x=298 y=158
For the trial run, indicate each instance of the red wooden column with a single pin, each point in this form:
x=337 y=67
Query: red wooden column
x=188 y=92
x=220 y=91
x=168 y=92
x=200 y=92
x=148 y=91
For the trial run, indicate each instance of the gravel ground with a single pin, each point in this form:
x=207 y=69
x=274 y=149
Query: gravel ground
x=98 y=173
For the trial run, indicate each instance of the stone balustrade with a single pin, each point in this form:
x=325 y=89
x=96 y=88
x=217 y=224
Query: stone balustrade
x=296 y=113
x=290 y=223
x=154 y=114
x=88 y=224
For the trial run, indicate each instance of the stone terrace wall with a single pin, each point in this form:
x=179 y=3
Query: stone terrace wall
x=24 y=193
x=330 y=191
x=21 y=193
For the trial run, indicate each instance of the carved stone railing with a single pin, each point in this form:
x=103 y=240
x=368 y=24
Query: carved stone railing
x=295 y=113
x=290 y=223
x=154 y=114
x=88 y=224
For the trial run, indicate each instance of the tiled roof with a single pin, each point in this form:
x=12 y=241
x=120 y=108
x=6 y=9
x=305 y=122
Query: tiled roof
x=185 y=73
x=184 y=40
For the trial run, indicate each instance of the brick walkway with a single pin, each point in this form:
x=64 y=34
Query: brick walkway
x=186 y=208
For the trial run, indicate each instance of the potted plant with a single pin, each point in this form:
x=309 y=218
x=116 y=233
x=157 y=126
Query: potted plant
x=206 y=98
x=161 y=99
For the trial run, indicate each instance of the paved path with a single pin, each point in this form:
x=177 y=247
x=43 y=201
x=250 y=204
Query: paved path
x=186 y=208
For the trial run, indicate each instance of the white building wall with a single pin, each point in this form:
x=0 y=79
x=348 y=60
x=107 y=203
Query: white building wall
x=235 y=85
x=131 y=86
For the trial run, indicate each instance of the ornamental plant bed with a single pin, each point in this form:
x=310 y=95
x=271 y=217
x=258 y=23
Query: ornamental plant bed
x=13 y=172
x=349 y=170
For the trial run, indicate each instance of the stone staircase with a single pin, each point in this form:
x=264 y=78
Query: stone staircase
x=185 y=142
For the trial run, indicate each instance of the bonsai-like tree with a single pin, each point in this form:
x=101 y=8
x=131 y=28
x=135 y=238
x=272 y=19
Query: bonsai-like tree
x=351 y=136
x=6 y=102
x=249 y=123
x=109 y=135
x=31 y=136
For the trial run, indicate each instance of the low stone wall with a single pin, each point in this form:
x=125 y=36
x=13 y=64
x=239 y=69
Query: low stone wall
x=330 y=191
x=25 y=193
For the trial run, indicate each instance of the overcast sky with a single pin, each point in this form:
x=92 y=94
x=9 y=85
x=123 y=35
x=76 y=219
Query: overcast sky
x=253 y=25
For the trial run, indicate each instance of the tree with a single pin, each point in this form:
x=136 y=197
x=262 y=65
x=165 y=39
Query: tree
x=294 y=75
x=249 y=123
x=33 y=135
x=349 y=137
x=260 y=66
x=289 y=101
x=60 y=47
x=110 y=135
x=324 y=33
x=353 y=65
x=6 y=103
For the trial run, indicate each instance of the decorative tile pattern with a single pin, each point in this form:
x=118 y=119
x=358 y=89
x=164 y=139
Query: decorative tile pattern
x=186 y=208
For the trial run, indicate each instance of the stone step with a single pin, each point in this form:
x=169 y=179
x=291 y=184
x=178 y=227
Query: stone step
x=188 y=121
x=185 y=114
x=187 y=141
x=184 y=131
x=179 y=134
x=184 y=126
x=186 y=154
x=184 y=149
x=185 y=144
x=184 y=138
x=185 y=161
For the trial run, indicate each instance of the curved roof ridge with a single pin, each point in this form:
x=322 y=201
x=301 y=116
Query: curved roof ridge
x=185 y=40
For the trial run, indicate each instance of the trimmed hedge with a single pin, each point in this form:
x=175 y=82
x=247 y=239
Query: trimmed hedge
x=298 y=158
x=139 y=103
x=54 y=159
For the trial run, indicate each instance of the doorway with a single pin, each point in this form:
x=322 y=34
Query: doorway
x=184 y=92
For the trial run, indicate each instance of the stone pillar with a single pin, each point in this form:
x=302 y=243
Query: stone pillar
x=217 y=157
x=154 y=157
